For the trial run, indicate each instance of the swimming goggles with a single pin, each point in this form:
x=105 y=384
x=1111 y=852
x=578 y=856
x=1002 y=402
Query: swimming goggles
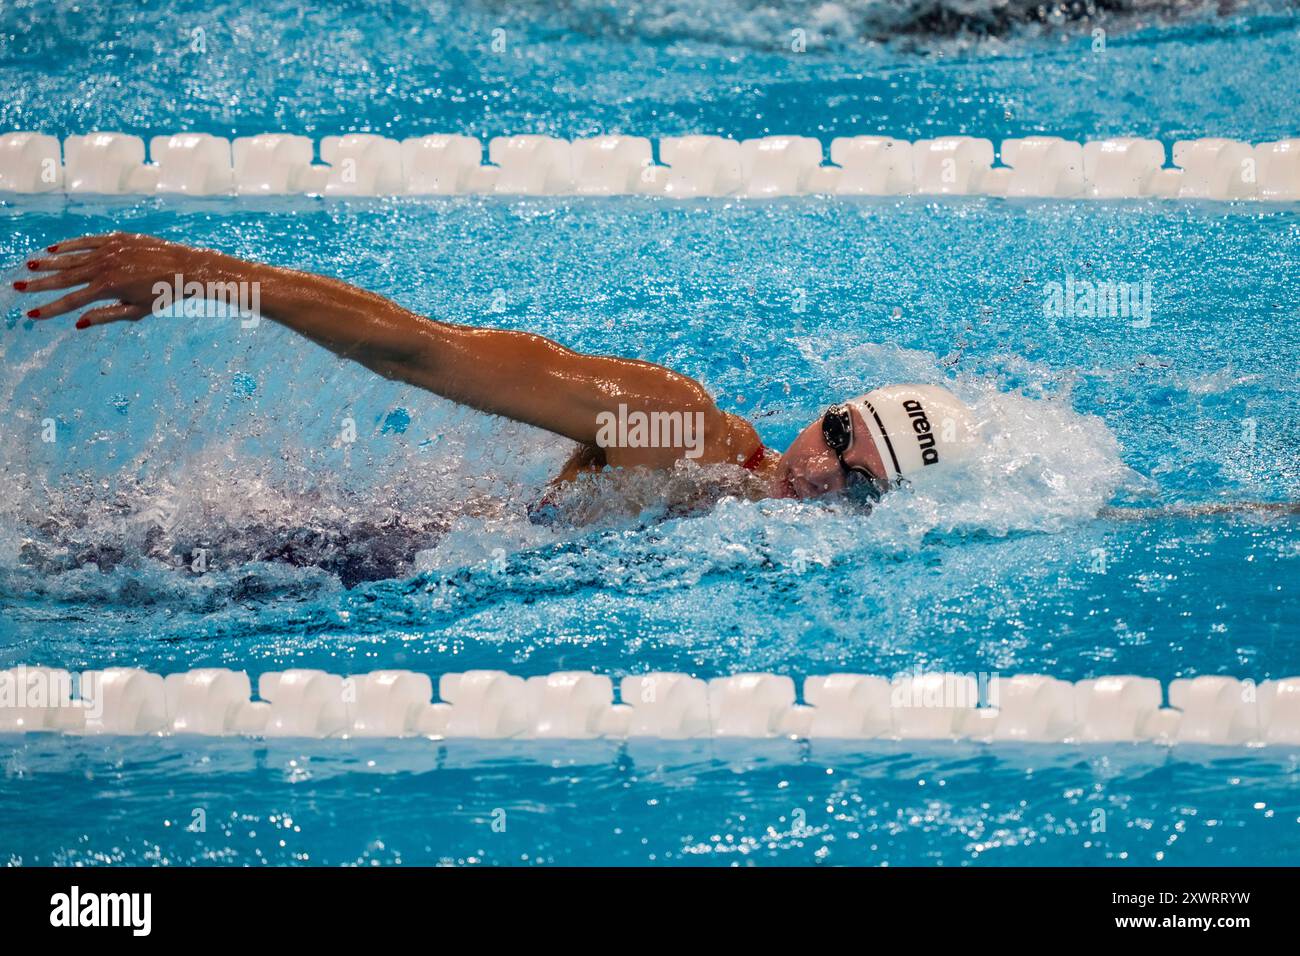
x=837 y=432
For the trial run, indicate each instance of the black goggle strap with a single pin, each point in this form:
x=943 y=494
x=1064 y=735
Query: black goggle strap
x=867 y=483
x=837 y=432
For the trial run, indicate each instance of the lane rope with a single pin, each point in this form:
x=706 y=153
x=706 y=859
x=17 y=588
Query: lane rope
x=683 y=167
x=582 y=705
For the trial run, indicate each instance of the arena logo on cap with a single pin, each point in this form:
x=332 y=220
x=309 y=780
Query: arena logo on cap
x=924 y=433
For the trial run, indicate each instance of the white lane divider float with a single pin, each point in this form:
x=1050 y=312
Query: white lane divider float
x=195 y=164
x=780 y=166
x=695 y=166
x=30 y=163
x=576 y=705
x=441 y=165
x=108 y=164
x=873 y=166
x=532 y=165
x=365 y=164
x=361 y=164
x=1216 y=168
x=274 y=164
x=952 y=165
x=1124 y=168
x=1043 y=166
x=610 y=165
x=1277 y=170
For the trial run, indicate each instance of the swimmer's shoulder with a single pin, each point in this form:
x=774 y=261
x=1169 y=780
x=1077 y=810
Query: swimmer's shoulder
x=741 y=444
x=735 y=443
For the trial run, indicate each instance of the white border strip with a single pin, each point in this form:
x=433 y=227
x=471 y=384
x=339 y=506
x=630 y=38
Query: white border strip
x=580 y=705
x=687 y=167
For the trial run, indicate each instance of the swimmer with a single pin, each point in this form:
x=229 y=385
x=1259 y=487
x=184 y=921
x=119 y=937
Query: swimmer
x=623 y=413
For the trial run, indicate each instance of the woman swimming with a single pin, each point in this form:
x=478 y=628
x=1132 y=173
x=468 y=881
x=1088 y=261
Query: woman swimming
x=624 y=413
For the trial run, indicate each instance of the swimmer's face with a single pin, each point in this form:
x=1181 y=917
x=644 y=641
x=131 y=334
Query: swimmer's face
x=810 y=468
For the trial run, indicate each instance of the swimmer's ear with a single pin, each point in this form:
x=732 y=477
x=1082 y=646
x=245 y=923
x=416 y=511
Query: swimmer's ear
x=104 y=314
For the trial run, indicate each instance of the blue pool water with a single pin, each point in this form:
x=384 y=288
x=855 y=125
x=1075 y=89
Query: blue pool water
x=183 y=434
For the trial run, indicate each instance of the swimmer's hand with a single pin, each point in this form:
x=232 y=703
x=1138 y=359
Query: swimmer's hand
x=519 y=375
x=121 y=268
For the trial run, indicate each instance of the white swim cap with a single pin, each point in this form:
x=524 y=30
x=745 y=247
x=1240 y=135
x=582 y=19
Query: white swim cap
x=916 y=426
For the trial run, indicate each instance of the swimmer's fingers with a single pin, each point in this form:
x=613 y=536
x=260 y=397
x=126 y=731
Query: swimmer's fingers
x=122 y=312
x=109 y=242
x=85 y=242
x=58 y=263
x=58 y=280
x=73 y=300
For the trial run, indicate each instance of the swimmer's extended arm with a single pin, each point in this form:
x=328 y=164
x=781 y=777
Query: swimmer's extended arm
x=516 y=374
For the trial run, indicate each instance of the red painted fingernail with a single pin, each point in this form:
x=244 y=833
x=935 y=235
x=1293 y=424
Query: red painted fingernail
x=83 y=323
x=20 y=286
x=33 y=264
x=34 y=314
x=52 y=248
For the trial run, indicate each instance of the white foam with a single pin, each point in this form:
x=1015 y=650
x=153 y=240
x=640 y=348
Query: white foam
x=1039 y=464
